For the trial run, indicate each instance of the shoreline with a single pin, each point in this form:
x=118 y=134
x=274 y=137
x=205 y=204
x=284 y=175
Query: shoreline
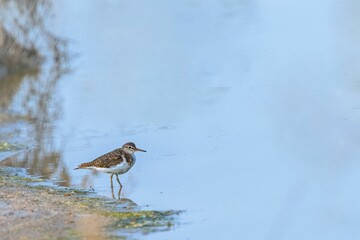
x=32 y=210
x=41 y=212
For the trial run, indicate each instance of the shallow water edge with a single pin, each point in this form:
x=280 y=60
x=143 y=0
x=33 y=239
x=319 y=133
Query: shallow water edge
x=38 y=205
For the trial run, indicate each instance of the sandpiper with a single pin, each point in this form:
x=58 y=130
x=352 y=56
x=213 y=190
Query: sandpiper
x=118 y=161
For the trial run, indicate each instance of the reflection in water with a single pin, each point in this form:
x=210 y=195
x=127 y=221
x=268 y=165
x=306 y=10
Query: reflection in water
x=86 y=182
x=9 y=87
x=31 y=94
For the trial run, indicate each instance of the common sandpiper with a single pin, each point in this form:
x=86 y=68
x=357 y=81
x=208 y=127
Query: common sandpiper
x=116 y=162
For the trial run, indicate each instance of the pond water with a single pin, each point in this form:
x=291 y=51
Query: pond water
x=249 y=112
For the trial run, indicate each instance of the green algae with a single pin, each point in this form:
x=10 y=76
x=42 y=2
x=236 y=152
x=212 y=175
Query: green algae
x=20 y=179
x=125 y=214
x=7 y=177
x=144 y=219
x=6 y=147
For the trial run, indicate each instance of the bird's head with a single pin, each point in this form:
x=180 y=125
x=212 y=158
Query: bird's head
x=131 y=148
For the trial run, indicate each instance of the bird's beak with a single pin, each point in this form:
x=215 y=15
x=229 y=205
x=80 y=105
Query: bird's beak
x=140 y=150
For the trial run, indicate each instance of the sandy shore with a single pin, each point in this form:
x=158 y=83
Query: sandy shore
x=30 y=210
x=43 y=213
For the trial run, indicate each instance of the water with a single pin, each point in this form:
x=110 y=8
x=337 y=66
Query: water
x=249 y=112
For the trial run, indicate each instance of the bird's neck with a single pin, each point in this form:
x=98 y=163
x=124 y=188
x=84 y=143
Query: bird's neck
x=130 y=157
x=133 y=159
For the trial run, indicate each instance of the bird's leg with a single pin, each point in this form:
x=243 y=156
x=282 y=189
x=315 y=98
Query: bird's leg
x=119 y=193
x=112 y=187
x=111 y=181
x=112 y=193
x=117 y=178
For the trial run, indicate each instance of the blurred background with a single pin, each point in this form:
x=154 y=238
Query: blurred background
x=249 y=109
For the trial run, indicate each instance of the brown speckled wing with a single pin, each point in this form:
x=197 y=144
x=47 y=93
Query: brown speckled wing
x=105 y=161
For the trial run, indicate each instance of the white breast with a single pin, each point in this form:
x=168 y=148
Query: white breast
x=121 y=168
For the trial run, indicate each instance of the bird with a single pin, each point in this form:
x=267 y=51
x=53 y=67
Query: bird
x=116 y=162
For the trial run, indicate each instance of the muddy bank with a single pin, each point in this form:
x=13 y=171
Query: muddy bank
x=30 y=210
x=42 y=213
